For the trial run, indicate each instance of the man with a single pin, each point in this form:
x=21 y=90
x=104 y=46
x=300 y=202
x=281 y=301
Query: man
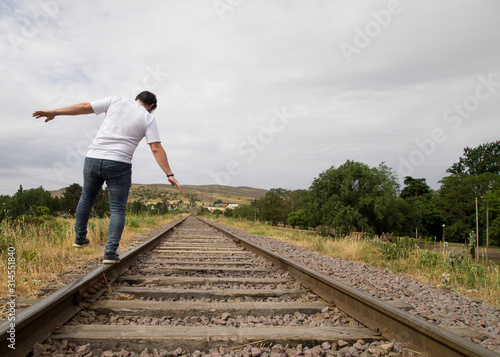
x=109 y=159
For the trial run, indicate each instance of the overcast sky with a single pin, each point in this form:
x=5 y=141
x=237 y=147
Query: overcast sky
x=256 y=93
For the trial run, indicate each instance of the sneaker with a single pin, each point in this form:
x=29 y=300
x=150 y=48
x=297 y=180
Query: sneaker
x=110 y=258
x=81 y=242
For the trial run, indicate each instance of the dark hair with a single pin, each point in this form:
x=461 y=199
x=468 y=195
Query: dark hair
x=147 y=98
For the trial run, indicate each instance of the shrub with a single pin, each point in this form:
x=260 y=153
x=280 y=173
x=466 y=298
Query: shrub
x=427 y=259
x=396 y=251
x=42 y=211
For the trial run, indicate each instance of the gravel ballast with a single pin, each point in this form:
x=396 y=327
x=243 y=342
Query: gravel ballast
x=435 y=305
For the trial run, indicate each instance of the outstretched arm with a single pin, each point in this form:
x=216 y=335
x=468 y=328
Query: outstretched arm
x=75 y=109
x=161 y=158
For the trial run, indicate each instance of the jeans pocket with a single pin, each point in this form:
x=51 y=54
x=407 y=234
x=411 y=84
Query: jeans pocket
x=117 y=173
x=88 y=168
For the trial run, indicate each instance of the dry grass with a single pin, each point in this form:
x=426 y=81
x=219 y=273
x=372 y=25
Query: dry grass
x=449 y=270
x=44 y=251
x=352 y=248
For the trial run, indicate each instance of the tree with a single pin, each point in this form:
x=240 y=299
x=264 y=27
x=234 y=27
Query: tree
x=4 y=210
x=415 y=188
x=274 y=207
x=479 y=160
x=100 y=208
x=355 y=196
x=456 y=197
x=248 y=212
x=70 y=198
x=490 y=211
x=473 y=177
x=136 y=207
x=296 y=199
x=202 y=211
x=159 y=208
x=298 y=219
x=422 y=211
x=192 y=199
x=42 y=211
x=25 y=202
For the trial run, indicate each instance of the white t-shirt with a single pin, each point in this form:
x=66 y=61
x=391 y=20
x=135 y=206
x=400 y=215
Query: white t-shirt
x=125 y=123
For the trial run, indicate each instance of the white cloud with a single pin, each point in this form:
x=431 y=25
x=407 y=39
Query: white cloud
x=218 y=82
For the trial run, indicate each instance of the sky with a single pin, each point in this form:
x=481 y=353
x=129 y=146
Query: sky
x=259 y=93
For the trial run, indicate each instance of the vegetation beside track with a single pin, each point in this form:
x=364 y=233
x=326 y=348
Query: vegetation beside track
x=451 y=270
x=44 y=251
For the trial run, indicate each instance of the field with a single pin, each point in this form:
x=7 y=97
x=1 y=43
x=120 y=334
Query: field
x=43 y=249
x=207 y=194
x=452 y=269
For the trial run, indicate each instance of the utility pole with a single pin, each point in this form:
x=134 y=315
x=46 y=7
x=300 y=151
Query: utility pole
x=487 y=229
x=477 y=231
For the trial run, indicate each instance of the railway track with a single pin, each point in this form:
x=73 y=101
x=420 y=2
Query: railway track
x=196 y=287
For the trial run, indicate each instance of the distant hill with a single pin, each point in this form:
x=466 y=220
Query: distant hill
x=204 y=193
x=240 y=191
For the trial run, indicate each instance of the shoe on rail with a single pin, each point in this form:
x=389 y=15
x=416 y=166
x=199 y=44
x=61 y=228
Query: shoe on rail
x=110 y=258
x=81 y=242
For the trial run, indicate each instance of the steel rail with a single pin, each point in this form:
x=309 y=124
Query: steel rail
x=392 y=323
x=37 y=322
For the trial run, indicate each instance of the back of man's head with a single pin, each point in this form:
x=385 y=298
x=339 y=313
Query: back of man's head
x=147 y=98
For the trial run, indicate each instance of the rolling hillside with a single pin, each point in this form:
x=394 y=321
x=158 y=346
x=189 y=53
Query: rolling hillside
x=203 y=193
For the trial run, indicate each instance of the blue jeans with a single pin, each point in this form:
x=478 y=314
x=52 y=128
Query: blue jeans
x=118 y=178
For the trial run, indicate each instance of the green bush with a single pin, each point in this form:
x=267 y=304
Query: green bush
x=427 y=259
x=133 y=223
x=42 y=211
x=399 y=250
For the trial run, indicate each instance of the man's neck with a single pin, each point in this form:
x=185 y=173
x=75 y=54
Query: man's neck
x=141 y=103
